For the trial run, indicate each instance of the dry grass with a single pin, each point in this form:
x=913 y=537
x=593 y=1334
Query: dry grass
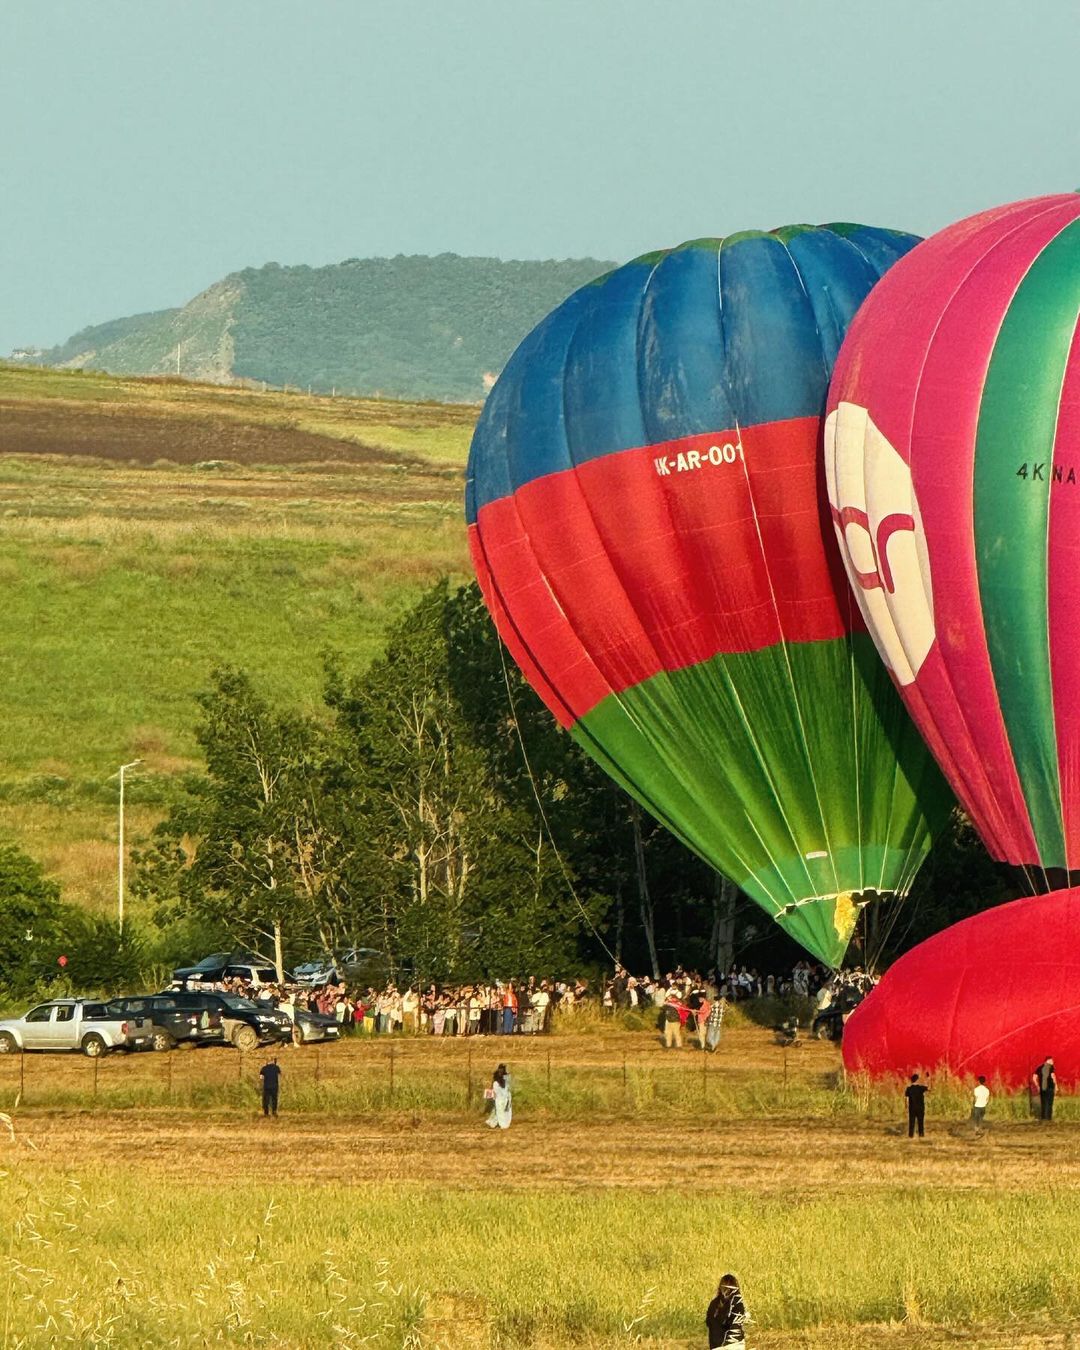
x=153 y=529
x=601 y=1231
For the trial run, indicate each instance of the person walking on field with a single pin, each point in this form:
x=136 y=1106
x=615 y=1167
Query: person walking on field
x=980 y=1099
x=1044 y=1082
x=270 y=1074
x=915 y=1095
x=501 y=1102
x=727 y=1315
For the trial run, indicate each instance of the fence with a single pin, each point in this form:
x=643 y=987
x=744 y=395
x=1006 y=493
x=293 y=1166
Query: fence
x=406 y=1074
x=579 y=1077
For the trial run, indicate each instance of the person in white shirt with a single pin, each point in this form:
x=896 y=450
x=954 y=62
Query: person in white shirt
x=540 y=1001
x=980 y=1100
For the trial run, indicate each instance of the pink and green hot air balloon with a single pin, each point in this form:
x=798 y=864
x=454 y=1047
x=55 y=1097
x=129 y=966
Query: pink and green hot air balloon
x=649 y=527
x=953 y=464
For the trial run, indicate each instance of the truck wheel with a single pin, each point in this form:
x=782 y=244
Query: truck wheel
x=8 y=1044
x=93 y=1046
x=161 y=1040
x=244 y=1038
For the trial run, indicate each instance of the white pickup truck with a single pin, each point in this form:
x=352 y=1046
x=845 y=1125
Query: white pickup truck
x=74 y=1024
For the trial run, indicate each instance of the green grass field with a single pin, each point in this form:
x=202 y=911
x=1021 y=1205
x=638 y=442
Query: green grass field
x=151 y=529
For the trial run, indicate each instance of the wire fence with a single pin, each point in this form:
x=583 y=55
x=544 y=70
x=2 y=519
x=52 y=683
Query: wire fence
x=574 y=1078
x=406 y=1074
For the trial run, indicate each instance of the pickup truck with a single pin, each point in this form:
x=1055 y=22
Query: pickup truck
x=74 y=1024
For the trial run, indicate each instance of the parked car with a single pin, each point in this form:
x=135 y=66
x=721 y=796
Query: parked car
x=310 y=1026
x=355 y=963
x=208 y=970
x=74 y=1024
x=176 y=1018
x=828 y=1023
x=213 y=969
x=246 y=1024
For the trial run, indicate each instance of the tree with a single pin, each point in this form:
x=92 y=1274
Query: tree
x=252 y=847
x=31 y=921
x=467 y=877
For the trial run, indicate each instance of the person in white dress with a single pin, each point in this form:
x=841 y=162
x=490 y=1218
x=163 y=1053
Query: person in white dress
x=501 y=1102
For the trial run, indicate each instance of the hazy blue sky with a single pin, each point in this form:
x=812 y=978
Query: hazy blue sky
x=149 y=148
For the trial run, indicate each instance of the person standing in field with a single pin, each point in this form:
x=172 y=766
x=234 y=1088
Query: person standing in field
x=671 y=1019
x=1044 y=1082
x=915 y=1095
x=270 y=1074
x=980 y=1099
x=501 y=1102
x=727 y=1315
x=714 y=1024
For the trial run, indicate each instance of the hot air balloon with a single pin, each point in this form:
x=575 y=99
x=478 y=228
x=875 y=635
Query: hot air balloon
x=649 y=528
x=952 y=452
x=994 y=994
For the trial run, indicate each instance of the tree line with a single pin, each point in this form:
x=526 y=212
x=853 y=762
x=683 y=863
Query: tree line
x=430 y=808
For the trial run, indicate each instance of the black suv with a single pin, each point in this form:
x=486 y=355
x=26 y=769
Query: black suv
x=227 y=966
x=176 y=1017
x=246 y=1024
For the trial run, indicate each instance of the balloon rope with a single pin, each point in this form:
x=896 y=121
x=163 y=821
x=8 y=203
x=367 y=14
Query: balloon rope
x=540 y=807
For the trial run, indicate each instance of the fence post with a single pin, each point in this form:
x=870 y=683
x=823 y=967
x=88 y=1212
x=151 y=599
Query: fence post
x=168 y=1068
x=22 y=1076
x=549 y=1074
x=239 y=1066
x=318 y=1065
x=468 y=1078
x=785 y=1076
x=625 y=1085
x=391 y=1071
x=95 y=1063
x=704 y=1077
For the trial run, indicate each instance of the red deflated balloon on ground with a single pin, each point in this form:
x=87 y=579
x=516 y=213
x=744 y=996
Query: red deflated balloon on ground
x=994 y=995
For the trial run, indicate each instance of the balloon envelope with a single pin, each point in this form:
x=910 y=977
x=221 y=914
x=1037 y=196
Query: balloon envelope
x=995 y=995
x=953 y=462
x=647 y=521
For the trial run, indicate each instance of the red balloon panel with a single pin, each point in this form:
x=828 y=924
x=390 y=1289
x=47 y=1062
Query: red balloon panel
x=994 y=995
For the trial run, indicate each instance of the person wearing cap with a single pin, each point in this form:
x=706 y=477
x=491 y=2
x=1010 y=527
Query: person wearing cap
x=671 y=1018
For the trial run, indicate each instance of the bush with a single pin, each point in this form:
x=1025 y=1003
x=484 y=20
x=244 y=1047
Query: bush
x=101 y=957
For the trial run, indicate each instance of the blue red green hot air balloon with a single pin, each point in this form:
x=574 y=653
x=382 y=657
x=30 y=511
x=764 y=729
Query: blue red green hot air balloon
x=649 y=526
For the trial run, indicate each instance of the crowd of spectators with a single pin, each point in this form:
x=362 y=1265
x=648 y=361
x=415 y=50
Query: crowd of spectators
x=526 y=1006
x=805 y=979
x=504 y=1008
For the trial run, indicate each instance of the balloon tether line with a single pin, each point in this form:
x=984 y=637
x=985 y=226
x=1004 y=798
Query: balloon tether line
x=540 y=805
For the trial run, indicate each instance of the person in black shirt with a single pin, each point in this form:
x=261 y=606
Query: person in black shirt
x=915 y=1093
x=727 y=1315
x=1044 y=1082
x=270 y=1074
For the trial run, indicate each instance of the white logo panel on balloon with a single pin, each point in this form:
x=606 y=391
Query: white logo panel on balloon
x=880 y=531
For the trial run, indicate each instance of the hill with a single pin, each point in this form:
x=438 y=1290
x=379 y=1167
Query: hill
x=406 y=327
x=154 y=528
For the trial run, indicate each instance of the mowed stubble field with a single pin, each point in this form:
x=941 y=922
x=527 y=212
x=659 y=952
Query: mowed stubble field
x=150 y=529
x=630 y=1179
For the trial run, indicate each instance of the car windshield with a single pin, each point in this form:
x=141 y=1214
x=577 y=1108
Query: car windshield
x=235 y=1001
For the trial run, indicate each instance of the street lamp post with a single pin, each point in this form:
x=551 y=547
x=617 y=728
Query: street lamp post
x=120 y=856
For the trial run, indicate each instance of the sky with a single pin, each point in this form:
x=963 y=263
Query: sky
x=149 y=147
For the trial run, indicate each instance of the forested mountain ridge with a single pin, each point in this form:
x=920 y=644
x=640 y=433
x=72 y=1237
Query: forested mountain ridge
x=418 y=327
